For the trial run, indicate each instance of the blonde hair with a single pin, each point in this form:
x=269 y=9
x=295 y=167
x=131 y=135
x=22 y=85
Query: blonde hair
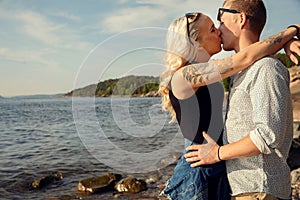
x=179 y=50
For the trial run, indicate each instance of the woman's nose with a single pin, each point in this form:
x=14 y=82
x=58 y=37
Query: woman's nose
x=219 y=31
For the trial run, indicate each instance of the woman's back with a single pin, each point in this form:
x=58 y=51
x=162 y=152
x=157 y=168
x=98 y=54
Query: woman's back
x=203 y=111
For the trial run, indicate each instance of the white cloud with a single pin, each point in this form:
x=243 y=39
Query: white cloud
x=130 y=18
x=42 y=28
x=155 y=13
x=67 y=16
x=32 y=24
x=38 y=27
x=57 y=35
x=121 y=1
x=166 y=3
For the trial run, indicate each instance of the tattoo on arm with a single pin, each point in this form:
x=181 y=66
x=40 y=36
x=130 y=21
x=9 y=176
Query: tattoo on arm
x=205 y=72
x=225 y=65
x=196 y=73
x=274 y=39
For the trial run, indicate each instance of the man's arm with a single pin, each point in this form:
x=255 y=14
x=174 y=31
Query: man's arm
x=242 y=148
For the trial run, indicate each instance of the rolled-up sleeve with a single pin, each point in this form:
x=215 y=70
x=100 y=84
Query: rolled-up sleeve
x=259 y=142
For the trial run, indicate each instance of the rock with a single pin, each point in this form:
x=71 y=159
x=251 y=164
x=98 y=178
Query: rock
x=130 y=185
x=153 y=178
x=98 y=184
x=295 y=184
x=46 y=180
x=295 y=176
x=296 y=191
x=294 y=73
x=296 y=126
x=152 y=94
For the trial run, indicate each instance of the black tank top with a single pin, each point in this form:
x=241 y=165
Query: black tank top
x=200 y=112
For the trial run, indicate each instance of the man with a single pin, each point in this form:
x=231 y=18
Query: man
x=258 y=130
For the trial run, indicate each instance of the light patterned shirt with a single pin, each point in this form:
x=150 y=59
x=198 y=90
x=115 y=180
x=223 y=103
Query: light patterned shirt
x=260 y=105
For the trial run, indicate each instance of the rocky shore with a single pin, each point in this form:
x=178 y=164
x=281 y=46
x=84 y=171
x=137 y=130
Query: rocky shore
x=142 y=186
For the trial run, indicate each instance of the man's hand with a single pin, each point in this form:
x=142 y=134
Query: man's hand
x=291 y=48
x=204 y=153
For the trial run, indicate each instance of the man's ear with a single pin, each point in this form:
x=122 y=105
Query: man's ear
x=243 y=19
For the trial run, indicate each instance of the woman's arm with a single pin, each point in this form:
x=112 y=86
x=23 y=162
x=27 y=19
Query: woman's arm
x=201 y=74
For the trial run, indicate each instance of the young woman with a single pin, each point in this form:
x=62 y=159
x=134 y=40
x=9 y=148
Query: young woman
x=191 y=41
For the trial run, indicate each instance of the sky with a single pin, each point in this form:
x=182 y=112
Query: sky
x=54 y=46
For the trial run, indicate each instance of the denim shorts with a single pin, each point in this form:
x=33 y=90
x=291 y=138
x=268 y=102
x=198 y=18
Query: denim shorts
x=205 y=182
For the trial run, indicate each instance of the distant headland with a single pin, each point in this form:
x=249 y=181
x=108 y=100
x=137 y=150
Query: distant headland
x=135 y=86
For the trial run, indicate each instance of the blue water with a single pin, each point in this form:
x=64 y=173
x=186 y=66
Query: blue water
x=81 y=138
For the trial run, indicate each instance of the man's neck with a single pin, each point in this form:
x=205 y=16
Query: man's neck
x=246 y=39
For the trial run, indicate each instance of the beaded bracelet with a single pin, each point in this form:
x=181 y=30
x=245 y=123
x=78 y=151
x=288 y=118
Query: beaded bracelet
x=219 y=153
x=297 y=28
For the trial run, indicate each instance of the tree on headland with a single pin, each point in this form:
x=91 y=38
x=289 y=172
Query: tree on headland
x=128 y=86
x=125 y=86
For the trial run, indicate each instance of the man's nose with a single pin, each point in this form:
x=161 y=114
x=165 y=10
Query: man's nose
x=220 y=29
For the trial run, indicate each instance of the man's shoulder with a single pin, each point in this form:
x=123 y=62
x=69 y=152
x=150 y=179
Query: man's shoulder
x=270 y=68
x=268 y=60
x=269 y=64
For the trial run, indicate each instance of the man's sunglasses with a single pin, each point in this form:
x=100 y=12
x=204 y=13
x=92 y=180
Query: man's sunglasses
x=192 y=17
x=222 y=10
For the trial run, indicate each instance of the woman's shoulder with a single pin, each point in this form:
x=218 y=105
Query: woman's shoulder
x=180 y=87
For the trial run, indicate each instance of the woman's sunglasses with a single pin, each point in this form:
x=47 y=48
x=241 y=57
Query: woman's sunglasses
x=190 y=18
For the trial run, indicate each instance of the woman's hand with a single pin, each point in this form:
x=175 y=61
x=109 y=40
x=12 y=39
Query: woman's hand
x=203 y=154
x=291 y=48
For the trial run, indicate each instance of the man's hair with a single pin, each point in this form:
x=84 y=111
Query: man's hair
x=254 y=9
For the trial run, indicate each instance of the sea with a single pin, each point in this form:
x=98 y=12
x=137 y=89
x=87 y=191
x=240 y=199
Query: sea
x=82 y=138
